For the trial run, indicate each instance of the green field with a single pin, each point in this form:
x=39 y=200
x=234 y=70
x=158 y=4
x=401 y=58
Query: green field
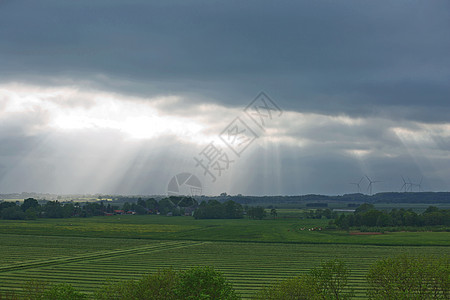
x=240 y=230
x=251 y=254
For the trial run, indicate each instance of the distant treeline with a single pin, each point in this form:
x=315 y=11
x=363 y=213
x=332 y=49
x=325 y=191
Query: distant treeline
x=367 y=215
x=32 y=208
x=173 y=206
x=391 y=197
x=216 y=210
x=403 y=197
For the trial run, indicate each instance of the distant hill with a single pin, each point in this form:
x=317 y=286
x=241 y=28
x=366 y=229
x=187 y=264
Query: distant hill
x=398 y=197
x=411 y=197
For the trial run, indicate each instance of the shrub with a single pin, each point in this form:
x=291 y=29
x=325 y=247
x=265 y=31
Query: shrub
x=167 y=284
x=301 y=287
x=117 y=290
x=38 y=289
x=409 y=277
x=63 y=291
x=331 y=279
x=325 y=282
x=160 y=285
x=204 y=283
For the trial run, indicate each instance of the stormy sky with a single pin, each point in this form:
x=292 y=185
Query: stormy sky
x=120 y=96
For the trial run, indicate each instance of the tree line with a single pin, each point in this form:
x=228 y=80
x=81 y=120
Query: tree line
x=367 y=215
x=400 y=277
x=31 y=209
x=214 y=209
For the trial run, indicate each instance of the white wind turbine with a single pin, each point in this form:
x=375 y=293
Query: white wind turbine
x=358 y=184
x=369 y=187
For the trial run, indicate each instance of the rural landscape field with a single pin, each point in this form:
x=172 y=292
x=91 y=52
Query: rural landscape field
x=88 y=252
x=224 y=150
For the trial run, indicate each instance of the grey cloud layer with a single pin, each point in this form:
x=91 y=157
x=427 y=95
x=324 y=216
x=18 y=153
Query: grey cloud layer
x=300 y=153
x=353 y=57
x=383 y=65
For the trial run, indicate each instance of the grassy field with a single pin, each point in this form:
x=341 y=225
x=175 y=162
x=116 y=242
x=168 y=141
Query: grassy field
x=252 y=254
x=187 y=228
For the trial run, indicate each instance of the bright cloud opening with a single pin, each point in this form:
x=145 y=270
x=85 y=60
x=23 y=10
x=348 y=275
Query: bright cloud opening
x=134 y=118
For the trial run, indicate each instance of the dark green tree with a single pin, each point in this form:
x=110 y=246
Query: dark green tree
x=364 y=208
x=212 y=209
x=13 y=213
x=384 y=220
x=126 y=206
x=142 y=203
x=38 y=289
x=166 y=206
x=233 y=210
x=6 y=204
x=329 y=281
x=53 y=209
x=257 y=212
x=370 y=217
x=160 y=285
x=30 y=203
x=273 y=213
x=63 y=291
x=167 y=284
x=301 y=287
x=409 y=277
x=152 y=205
x=187 y=202
x=31 y=214
x=204 y=283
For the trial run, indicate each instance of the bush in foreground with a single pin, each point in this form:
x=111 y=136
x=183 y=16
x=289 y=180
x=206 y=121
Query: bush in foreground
x=204 y=283
x=325 y=282
x=38 y=289
x=409 y=277
x=301 y=287
x=167 y=284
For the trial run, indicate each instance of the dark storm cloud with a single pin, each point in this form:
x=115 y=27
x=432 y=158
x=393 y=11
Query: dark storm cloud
x=354 y=57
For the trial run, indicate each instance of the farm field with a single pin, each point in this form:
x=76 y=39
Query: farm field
x=187 y=228
x=86 y=252
x=87 y=263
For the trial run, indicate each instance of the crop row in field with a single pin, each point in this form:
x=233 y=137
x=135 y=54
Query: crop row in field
x=249 y=266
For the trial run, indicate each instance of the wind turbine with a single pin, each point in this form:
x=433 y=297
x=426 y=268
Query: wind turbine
x=358 y=184
x=369 y=187
x=405 y=185
x=410 y=184
x=419 y=185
